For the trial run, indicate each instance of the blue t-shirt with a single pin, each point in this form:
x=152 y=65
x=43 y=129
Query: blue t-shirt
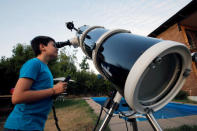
x=32 y=116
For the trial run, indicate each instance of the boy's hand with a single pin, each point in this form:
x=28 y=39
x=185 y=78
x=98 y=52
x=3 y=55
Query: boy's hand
x=60 y=87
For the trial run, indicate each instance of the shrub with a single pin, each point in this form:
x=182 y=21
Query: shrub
x=182 y=95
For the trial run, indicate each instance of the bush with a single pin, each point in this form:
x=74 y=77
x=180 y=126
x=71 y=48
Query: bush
x=88 y=84
x=182 y=95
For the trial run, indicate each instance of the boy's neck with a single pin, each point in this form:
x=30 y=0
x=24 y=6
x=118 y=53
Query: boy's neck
x=43 y=59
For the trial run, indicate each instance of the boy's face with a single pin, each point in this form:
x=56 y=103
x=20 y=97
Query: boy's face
x=50 y=50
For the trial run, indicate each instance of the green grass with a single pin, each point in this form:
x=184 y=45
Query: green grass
x=67 y=107
x=185 y=101
x=76 y=103
x=69 y=103
x=184 y=128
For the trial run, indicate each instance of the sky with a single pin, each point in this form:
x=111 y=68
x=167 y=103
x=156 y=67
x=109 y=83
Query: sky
x=22 y=20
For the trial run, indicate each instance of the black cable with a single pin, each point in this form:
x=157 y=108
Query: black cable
x=105 y=111
x=132 y=120
x=53 y=107
x=127 y=115
x=124 y=120
x=101 y=111
x=55 y=118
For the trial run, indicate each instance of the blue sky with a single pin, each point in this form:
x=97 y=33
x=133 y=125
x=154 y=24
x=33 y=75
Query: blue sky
x=21 y=20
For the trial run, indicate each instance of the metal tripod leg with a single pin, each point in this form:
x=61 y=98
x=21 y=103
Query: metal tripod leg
x=109 y=115
x=155 y=125
x=133 y=123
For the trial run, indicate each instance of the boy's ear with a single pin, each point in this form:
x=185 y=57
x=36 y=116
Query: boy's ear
x=42 y=47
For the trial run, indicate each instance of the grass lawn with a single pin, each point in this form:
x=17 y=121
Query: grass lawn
x=184 y=128
x=186 y=101
x=73 y=115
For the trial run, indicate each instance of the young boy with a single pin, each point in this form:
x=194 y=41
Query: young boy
x=34 y=89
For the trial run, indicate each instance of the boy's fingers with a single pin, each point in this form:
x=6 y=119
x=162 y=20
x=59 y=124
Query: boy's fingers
x=65 y=84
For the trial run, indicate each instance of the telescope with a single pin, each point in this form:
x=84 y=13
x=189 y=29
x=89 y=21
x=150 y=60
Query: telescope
x=147 y=72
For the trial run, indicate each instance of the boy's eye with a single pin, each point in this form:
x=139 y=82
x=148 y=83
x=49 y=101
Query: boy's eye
x=55 y=45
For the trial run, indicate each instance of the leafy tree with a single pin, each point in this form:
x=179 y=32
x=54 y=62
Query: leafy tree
x=87 y=83
x=63 y=65
x=10 y=67
x=84 y=64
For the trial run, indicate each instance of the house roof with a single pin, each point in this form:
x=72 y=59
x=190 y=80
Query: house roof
x=181 y=15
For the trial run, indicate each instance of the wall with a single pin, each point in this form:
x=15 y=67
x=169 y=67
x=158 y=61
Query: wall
x=175 y=34
x=172 y=33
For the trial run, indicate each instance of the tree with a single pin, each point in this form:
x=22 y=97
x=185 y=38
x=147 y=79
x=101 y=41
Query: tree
x=87 y=83
x=84 y=64
x=63 y=65
x=10 y=67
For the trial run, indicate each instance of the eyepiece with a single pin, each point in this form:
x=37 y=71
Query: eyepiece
x=62 y=44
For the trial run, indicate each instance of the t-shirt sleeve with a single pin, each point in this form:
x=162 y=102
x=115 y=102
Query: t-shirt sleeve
x=30 y=69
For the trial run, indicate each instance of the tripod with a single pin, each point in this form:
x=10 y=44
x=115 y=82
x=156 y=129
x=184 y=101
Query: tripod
x=149 y=115
x=116 y=102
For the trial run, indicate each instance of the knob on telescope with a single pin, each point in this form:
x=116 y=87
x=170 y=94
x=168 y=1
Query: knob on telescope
x=70 y=25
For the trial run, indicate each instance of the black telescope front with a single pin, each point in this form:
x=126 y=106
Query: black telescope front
x=148 y=72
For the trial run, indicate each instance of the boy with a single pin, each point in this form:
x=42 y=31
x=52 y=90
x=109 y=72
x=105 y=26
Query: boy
x=34 y=89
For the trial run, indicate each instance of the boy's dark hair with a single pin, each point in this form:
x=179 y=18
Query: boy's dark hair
x=35 y=43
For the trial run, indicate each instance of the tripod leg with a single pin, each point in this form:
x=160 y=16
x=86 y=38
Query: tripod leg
x=133 y=123
x=108 y=117
x=153 y=122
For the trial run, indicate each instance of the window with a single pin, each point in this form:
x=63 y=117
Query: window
x=192 y=39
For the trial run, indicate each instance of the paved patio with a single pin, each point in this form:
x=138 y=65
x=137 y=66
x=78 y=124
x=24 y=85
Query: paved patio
x=117 y=124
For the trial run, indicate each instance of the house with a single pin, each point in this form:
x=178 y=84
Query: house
x=182 y=27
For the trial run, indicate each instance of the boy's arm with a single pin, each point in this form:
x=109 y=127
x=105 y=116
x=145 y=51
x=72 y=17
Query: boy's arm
x=23 y=94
